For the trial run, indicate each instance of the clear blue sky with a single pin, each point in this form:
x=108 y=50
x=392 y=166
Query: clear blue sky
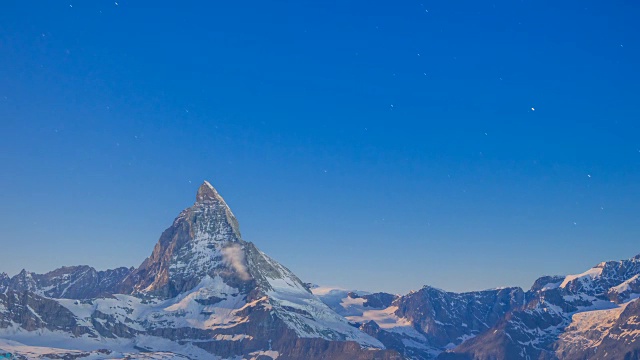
x=370 y=145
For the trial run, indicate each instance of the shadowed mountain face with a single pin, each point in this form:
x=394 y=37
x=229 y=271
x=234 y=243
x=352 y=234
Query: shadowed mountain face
x=204 y=292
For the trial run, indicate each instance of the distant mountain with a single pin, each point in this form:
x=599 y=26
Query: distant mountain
x=592 y=315
x=69 y=282
x=424 y=323
x=206 y=293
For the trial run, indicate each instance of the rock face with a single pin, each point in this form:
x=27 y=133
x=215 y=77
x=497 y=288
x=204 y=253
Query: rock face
x=4 y=282
x=203 y=288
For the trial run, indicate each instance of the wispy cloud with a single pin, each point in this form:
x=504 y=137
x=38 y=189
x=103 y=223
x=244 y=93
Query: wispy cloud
x=234 y=256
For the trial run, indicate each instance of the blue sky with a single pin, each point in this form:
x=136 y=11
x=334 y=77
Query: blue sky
x=370 y=145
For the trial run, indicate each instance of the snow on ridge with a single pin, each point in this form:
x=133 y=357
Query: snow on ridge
x=590 y=274
x=626 y=285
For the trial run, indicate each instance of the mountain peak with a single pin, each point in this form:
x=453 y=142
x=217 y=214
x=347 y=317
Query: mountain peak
x=202 y=240
x=206 y=192
x=208 y=196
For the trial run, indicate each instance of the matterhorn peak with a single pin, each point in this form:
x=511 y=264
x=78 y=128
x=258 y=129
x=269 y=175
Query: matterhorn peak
x=208 y=196
x=206 y=192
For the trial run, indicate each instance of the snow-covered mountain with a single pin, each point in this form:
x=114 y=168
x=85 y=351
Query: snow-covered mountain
x=69 y=282
x=203 y=292
x=424 y=323
x=206 y=293
x=592 y=315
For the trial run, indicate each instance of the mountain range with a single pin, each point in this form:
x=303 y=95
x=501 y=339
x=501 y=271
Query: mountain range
x=205 y=293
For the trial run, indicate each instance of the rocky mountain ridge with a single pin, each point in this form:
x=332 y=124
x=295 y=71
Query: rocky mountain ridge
x=69 y=282
x=557 y=312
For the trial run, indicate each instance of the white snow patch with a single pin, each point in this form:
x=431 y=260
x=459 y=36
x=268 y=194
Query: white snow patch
x=590 y=274
x=236 y=337
x=349 y=301
x=270 y=353
x=551 y=286
x=625 y=286
x=388 y=320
